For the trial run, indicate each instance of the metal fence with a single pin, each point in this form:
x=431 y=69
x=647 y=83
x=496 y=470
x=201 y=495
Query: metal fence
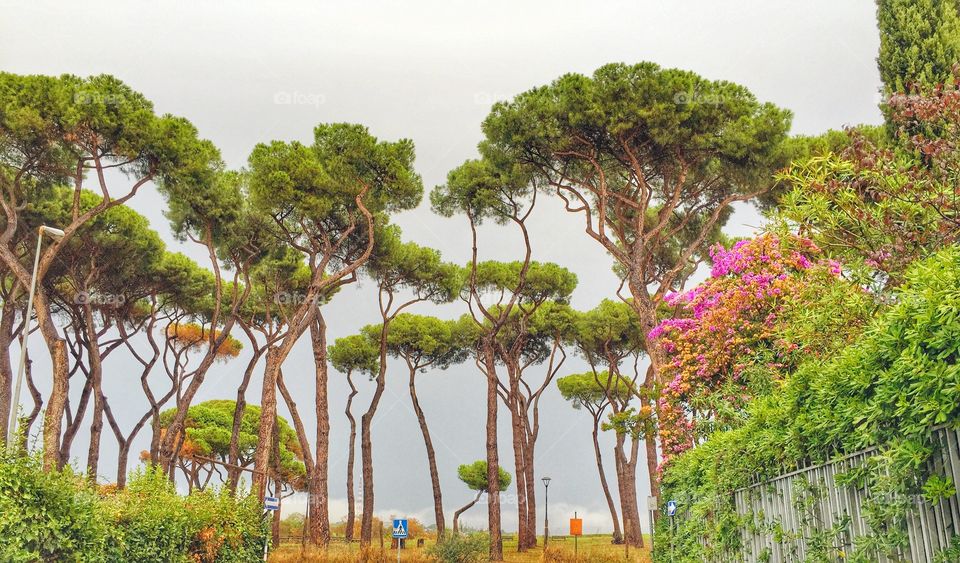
x=786 y=516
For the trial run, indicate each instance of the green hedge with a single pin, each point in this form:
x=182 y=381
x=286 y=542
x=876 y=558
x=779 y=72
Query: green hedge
x=59 y=516
x=888 y=390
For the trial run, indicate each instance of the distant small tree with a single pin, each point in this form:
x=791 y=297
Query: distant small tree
x=205 y=446
x=474 y=476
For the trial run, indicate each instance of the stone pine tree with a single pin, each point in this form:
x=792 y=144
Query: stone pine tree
x=428 y=343
x=357 y=353
x=492 y=291
x=652 y=159
x=919 y=43
x=325 y=200
x=474 y=476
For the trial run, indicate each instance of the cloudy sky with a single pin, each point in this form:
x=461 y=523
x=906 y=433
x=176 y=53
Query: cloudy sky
x=248 y=72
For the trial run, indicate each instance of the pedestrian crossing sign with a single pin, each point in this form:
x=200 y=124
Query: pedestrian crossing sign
x=400 y=528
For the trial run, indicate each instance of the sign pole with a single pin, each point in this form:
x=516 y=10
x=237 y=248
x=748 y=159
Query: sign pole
x=575 y=538
x=651 y=507
x=400 y=531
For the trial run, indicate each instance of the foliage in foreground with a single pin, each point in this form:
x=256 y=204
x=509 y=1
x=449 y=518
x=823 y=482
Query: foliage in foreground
x=888 y=390
x=59 y=516
x=471 y=548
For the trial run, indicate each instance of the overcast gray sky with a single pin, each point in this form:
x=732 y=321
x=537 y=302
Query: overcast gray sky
x=246 y=72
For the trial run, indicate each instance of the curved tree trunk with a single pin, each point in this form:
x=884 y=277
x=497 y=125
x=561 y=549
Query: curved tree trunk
x=70 y=432
x=351 y=455
x=431 y=458
x=466 y=507
x=617 y=534
x=233 y=470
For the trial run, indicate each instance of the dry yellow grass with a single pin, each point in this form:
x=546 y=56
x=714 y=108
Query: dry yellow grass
x=592 y=549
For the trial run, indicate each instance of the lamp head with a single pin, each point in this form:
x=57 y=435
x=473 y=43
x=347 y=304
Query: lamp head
x=546 y=481
x=55 y=233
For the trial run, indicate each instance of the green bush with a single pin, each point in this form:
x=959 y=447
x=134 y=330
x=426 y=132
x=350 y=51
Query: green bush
x=59 y=516
x=48 y=516
x=471 y=548
x=888 y=390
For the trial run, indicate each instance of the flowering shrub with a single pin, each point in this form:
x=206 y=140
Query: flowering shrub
x=887 y=390
x=742 y=328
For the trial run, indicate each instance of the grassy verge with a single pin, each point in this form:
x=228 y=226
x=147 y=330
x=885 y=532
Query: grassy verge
x=594 y=548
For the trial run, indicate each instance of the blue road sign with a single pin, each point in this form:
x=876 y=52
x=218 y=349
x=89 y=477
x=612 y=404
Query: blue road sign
x=671 y=507
x=400 y=528
x=271 y=503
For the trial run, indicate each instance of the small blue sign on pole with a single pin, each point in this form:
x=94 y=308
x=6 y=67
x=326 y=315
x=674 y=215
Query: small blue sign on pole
x=671 y=508
x=271 y=503
x=400 y=528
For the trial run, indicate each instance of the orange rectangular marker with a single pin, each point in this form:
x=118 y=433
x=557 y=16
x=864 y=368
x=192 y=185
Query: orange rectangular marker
x=576 y=526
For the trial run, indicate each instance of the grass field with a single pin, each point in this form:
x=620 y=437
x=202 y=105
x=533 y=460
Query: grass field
x=593 y=549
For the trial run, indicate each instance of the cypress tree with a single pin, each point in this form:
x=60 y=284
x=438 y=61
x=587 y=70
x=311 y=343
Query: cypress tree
x=919 y=43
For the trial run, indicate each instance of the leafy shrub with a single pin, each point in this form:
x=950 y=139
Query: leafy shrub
x=470 y=548
x=48 y=516
x=59 y=516
x=887 y=390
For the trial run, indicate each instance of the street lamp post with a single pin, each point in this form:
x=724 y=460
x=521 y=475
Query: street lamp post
x=546 y=511
x=15 y=404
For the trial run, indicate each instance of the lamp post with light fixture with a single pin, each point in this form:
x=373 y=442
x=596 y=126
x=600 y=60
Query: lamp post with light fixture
x=546 y=511
x=15 y=403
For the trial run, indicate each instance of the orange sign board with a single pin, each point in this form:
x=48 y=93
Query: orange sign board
x=576 y=526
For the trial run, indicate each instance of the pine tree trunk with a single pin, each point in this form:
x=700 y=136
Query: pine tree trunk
x=531 y=486
x=468 y=506
x=268 y=412
x=122 y=463
x=96 y=378
x=520 y=467
x=233 y=470
x=366 y=460
x=319 y=501
x=7 y=316
x=627 y=484
x=366 y=442
x=617 y=534
x=493 y=456
x=351 y=454
x=431 y=458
